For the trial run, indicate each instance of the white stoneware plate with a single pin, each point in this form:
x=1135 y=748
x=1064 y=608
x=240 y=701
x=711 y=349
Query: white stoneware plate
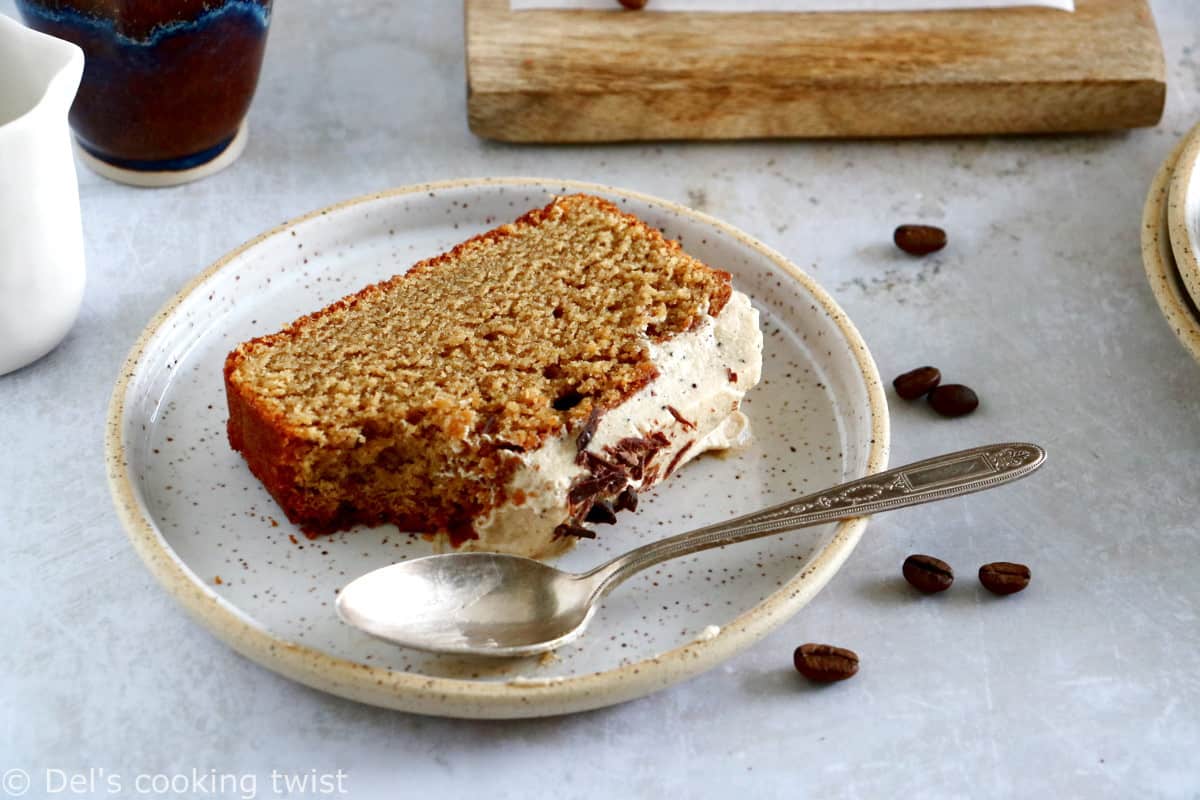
x=214 y=538
x=1183 y=213
x=1158 y=258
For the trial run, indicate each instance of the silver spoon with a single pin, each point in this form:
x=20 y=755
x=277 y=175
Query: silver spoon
x=488 y=604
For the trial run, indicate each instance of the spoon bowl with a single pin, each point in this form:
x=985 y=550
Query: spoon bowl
x=490 y=604
x=467 y=603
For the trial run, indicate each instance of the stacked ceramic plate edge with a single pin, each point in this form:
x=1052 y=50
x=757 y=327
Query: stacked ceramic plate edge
x=1171 y=240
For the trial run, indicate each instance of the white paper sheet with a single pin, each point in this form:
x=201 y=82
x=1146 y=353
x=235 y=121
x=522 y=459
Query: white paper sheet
x=795 y=5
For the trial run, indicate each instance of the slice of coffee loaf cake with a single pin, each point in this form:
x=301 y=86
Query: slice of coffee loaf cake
x=503 y=395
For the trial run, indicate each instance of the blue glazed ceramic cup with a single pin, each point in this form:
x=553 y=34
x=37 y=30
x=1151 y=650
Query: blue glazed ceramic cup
x=166 y=83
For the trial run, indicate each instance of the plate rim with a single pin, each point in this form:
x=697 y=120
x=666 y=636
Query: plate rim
x=1166 y=280
x=1187 y=262
x=455 y=697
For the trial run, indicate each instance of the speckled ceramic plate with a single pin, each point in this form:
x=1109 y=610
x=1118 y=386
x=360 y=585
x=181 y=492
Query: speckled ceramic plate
x=218 y=543
x=1183 y=213
x=1158 y=258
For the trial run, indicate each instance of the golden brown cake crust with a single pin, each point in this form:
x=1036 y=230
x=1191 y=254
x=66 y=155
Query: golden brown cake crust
x=410 y=400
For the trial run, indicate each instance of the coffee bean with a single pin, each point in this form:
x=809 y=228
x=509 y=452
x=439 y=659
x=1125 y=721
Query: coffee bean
x=1004 y=577
x=917 y=382
x=953 y=400
x=928 y=574
x=919 y=240
x=825 y=663
x=633 y=5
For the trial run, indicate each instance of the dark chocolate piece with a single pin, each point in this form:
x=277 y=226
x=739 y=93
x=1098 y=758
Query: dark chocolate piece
x=627 y=500
x=589 y=430
x=588 y=488
x=568 y=529
x=602 y=511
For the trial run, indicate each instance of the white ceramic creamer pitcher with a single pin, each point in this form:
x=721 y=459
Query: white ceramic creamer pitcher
x=41 y=239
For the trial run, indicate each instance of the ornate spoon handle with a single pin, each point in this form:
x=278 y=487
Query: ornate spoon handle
x=937 y=478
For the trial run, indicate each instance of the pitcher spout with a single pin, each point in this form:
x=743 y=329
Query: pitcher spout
x=44 y=72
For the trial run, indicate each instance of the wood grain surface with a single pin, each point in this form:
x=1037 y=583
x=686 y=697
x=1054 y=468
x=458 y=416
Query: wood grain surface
x=585 y=76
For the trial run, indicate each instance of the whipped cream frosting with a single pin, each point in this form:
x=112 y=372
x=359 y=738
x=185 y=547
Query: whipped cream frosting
x=703 y=375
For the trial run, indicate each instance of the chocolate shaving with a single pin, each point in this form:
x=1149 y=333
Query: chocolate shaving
x=679 y=456
x=658 y=441
x=589 y=430
x=629 y=456
x=602 y=511
x=681 y=419
x=632 y=452
x=584 y=490
x=627 y=500
x=633 y=444
x=567 y=529
x=626 y=458
x=599 y=467
x=515 y=448
x=589 y=488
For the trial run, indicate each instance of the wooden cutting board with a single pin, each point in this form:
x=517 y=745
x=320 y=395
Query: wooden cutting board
x=591 y=76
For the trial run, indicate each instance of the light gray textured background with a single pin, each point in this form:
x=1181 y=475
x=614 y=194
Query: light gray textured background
x=1086 y=685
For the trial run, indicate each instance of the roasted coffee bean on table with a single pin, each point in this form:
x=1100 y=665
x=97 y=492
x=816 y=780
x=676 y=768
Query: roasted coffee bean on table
x=927 y=574
x=1004 y=577
x=919 y=240
x=824 y=663
x=953 y=400
x=917 y=382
